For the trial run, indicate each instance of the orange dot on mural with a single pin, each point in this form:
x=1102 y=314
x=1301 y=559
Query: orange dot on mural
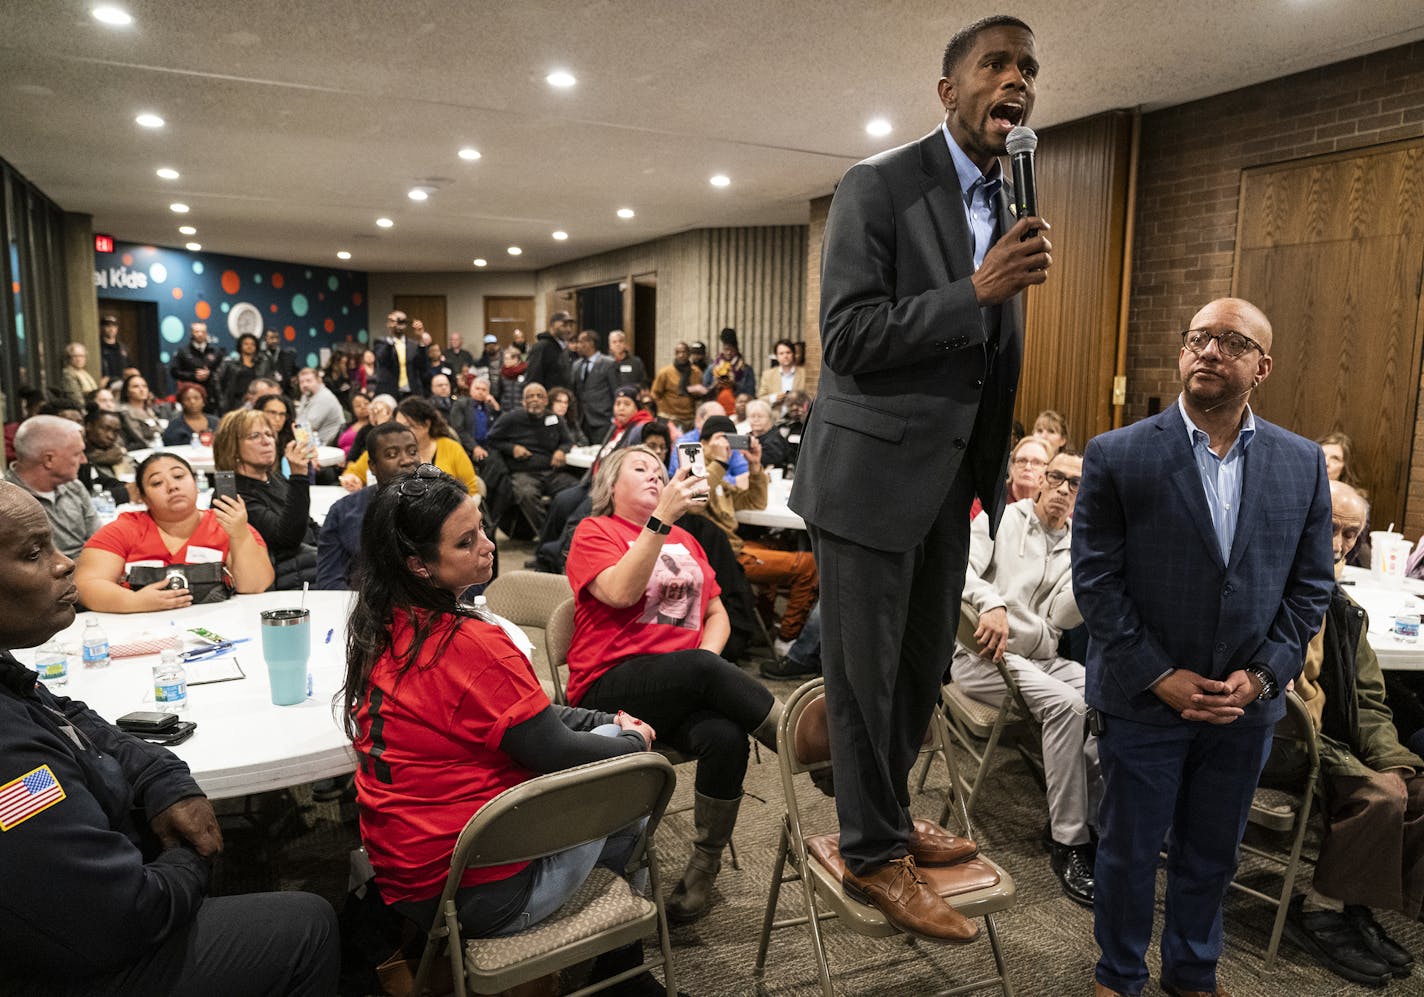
x=278 y=280
x=289 y=334
x=202 y=309
x=329 y=325
x=356 y=299
x=15 y=287
x=321 y=295
x=273 y=308
x=128 y=259
x=230 y=282
x=178 y=294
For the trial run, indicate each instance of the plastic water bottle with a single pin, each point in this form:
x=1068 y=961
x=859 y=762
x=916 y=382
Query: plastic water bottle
x=103 y=503
x=194 y=442
x=1406 y=622
x=170 y=683
x=52 y=664
x=203 y=484
x=96 y=645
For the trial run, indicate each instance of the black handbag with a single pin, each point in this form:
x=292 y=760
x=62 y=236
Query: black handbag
x=207 y=583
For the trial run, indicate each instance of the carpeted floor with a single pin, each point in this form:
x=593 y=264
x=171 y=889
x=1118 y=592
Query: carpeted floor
x=1047 y=940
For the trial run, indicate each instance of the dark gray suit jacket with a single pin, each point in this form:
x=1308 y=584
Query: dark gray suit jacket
x=905 y=363
x=595 y=394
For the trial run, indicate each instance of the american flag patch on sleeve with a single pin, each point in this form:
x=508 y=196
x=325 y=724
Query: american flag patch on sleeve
x=22 y=798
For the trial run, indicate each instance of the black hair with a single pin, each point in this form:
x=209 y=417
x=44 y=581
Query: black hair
x=287 y=435
x=256 y=343
x=656 y=428
x=423 y=411
x=378 y=433
x=778 y=345
x=124 y=391
x=93 y=413
x=965 y=38
x=397 y=526
x=157 y=455
x=56 y=406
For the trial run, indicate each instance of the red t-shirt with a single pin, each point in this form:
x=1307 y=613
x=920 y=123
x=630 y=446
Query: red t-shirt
x=429 y=750
x=134 y=536
x=668 y=617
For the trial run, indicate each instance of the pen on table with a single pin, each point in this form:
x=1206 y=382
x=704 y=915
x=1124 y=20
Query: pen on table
x=328 y=635
x=212 y=648
x=206 y=653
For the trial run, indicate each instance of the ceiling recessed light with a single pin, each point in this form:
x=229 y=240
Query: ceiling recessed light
x=514 y=250
x=560 y=78
x=480 y=261
x=113 y=16
x=343 y=255
x=187 y=230
x=168 y=174
x=561 y=235
x=178 y=208
x=625 y=212
x=385 y=223
x=470 y=154
x=149 y=120
x=418 y=194
x=878 y=127
x=193 y=247
x=720 y=180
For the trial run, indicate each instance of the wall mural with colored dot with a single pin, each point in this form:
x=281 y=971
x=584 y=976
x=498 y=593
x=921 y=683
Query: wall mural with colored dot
x=314 y=308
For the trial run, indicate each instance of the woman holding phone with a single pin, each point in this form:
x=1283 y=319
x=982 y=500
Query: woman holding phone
x=649 y=628
x=437 y=442
x=445 y=713
x=172 y=533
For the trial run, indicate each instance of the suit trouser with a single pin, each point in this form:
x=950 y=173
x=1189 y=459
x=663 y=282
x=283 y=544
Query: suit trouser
x=888 y=625
x=1053 y=690
x=1195 y=780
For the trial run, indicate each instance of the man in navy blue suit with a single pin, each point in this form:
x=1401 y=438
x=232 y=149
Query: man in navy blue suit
x=1202 y=566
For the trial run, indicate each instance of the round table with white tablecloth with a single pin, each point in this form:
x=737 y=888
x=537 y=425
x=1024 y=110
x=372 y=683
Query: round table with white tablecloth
x=777 y=513
x=1382 y=597
x=201 y=458
x=323 y=497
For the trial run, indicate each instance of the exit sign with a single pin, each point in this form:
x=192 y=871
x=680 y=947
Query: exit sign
x=103 y=243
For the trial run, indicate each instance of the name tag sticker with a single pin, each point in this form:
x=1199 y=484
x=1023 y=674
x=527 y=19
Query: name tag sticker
x=794 y=438
x=551 y=420
x=625 y=368
x=204 y=555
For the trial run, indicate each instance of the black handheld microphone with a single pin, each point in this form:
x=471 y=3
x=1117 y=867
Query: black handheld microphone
x=1021 y=144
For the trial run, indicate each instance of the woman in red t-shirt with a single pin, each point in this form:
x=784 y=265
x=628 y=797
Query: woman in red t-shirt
x=171 y=531
x=445 y=714
x=649 y=628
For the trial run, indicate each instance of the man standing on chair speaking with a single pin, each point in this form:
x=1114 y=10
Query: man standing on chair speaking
x=922 y=277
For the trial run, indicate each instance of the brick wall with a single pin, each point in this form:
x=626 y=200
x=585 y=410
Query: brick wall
x=1189 y=182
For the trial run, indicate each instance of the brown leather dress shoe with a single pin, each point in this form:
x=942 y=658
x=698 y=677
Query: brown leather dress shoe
x=1103 y=990
x=899 y=892
x=931 y=844
x=1172 y=991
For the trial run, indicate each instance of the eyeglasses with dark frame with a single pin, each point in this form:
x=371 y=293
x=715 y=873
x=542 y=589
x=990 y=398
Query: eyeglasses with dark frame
x=417 y=482
x=1055 y=479
x=1231 y=343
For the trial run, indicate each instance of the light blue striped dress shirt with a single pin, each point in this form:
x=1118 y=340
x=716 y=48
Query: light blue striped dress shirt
x=1221 y=476
x=978 y=192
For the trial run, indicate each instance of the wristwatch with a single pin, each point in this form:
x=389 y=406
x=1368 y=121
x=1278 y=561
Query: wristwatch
x=1268 y=682
x=657 y=526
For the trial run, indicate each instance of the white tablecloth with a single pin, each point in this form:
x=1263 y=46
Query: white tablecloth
x=323 y=497
x=776 y=513
x=201 y=458
x=1381 y=598
x=583 y=456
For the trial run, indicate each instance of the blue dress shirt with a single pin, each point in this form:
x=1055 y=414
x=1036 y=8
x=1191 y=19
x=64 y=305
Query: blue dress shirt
x=1221 y=476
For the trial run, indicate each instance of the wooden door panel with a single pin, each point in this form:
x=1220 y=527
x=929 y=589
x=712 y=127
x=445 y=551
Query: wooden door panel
x=429 y=308
x=505 y=314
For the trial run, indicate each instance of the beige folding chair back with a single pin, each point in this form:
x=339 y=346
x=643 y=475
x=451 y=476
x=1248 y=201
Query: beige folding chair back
x=976 y=888
x=529 y=599
x=530 y=821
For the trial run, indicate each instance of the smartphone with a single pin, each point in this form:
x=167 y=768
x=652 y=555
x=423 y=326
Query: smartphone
x=302 y=433
x=691 y=455
x=147 y=722
x=224 y=483
x=176 y=734
x=738 y=441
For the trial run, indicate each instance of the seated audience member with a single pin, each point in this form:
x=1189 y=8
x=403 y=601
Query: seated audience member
x=1027 y=462
x=364 y=376
x=279 y=411
x=337 y=378
x=391 y=450
x=440 y=392
x=63 y=408
x=802 y=659
x=360 y=419
x=74 y=379
x=626 y=417
x=473 y=416
x=564 y=405
x=48 y=454
x=656 y=435
x=534 y=443
x=739 y=413
x=792 y=425
x=1019 y=589
x=105 y=457
x=237 y=372
x=445 y=714
x=785 y=376
x=259 y=387
x=317 y=406
x=1339 y=453
x=487 y=364
x=192 y=420
x=136 y=412
x=106 y=872
x=737 y=470
x=103 y=398
x=456 y=357
x=1052 y=428
x=513 y=375
x=763 y=565
x=672 y=387
x=760 y=425
x=1372 y=788
x=381 y=410
x=278 y=504
x=436 y=442
x=648 y=631
x=627 y=367
x=126 y=566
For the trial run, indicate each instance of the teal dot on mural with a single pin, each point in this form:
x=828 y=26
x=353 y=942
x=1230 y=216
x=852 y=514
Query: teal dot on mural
x=257 y=278
x=20 y=327
x=345 y=310
x=299 y=305
x=361 y=336
x=332 y=282
x=224 y=306
x=308 y=275
x=197 y=266
x=171 y=329
x=312 y=332
x=313 y=360
x=164 y=356
x=158 y=273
